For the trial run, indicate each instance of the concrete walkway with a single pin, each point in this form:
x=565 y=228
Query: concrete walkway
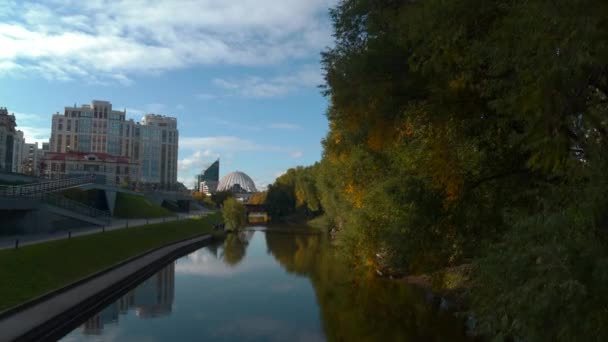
x=24 y=240
x=50 y=317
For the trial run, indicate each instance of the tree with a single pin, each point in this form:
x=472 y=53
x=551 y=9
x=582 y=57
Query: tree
x=474 y=131
x=234 y=214
x=219 y=197
x=258 y=198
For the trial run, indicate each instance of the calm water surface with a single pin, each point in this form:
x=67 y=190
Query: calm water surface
x=268 y=286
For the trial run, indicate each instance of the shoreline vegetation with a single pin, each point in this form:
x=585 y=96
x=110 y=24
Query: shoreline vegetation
x=467 y=143
x=34 y=270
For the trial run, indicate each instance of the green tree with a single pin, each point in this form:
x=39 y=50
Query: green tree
x=474 y=132
x=219 y=197
x=234 y=214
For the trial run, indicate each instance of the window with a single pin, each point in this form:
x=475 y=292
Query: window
x=76 y=126
x=69 y=128
x=59 y=142
x=164 y=136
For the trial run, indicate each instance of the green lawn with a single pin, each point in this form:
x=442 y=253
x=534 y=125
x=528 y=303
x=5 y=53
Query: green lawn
x=133 y=206
x=31 y=271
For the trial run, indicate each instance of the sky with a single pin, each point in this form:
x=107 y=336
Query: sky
x=241 y=76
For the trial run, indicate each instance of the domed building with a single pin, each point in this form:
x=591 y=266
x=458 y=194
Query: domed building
x=238 y=182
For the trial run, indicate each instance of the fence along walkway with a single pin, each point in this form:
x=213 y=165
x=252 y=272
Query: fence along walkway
x=45 y=187
x=45 y=192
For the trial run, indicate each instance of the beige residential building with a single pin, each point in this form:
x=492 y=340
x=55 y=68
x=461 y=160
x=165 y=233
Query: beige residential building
x=149 y=146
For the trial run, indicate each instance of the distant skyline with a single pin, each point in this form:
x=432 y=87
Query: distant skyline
x=241 y=76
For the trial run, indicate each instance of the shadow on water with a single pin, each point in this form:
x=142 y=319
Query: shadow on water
x=361 y=307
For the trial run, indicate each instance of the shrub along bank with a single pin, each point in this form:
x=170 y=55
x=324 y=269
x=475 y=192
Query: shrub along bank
x=31 y=271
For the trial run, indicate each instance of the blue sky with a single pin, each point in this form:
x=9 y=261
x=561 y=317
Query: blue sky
x=241 y=76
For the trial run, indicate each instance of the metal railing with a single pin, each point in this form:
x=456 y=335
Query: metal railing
x=45 y=192
x=33 y=189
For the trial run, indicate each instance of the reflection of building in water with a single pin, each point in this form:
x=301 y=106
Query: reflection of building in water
x=94 y=326
x=152 y=298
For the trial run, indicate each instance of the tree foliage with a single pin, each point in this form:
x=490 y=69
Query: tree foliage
x=294 y=192
x=474 y=132
x=234 y=214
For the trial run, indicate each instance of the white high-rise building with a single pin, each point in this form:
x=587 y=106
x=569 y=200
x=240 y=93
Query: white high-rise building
x=159 y=158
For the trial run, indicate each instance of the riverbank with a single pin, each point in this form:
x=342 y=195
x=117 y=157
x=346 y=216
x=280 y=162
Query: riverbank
x=31 y=271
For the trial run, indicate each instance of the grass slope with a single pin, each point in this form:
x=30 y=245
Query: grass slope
x=132 y=206
x=34 y=270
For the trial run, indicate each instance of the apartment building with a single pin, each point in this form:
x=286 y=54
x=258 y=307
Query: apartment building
x=18 y=146
x=105 y=134
x=160 y=157
x=7 y=139
x=31 y=158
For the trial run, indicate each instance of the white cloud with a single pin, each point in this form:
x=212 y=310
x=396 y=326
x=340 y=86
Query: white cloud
x=35 y=134
x=258 y=87
x=197 y=161
x=296 y=154
x=99 y=40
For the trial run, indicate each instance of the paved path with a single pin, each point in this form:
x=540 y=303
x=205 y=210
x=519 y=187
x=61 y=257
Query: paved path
x=24 y=240
x=46 y=318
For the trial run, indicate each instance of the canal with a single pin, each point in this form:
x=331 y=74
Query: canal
x=269 y=286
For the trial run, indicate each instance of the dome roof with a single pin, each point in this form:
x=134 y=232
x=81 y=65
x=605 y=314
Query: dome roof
x=228 y=182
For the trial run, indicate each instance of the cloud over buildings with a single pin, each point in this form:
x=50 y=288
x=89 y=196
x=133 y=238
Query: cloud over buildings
x=105 y=41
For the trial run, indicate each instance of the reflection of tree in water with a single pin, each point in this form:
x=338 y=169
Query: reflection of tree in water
x=360 y=307
x=213 y=249
x=234 y=247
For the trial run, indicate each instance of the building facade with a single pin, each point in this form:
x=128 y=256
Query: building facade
x=18 y=146
x=7 y=139
x=160 y=144
x=31 y=158
x=208 y=180
x=150 y=147
x=113 y=169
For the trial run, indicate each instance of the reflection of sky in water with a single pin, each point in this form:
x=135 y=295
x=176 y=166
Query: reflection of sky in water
x=253 y=300
x=207 y=263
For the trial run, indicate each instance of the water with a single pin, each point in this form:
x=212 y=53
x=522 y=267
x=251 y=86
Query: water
x=268 y=286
